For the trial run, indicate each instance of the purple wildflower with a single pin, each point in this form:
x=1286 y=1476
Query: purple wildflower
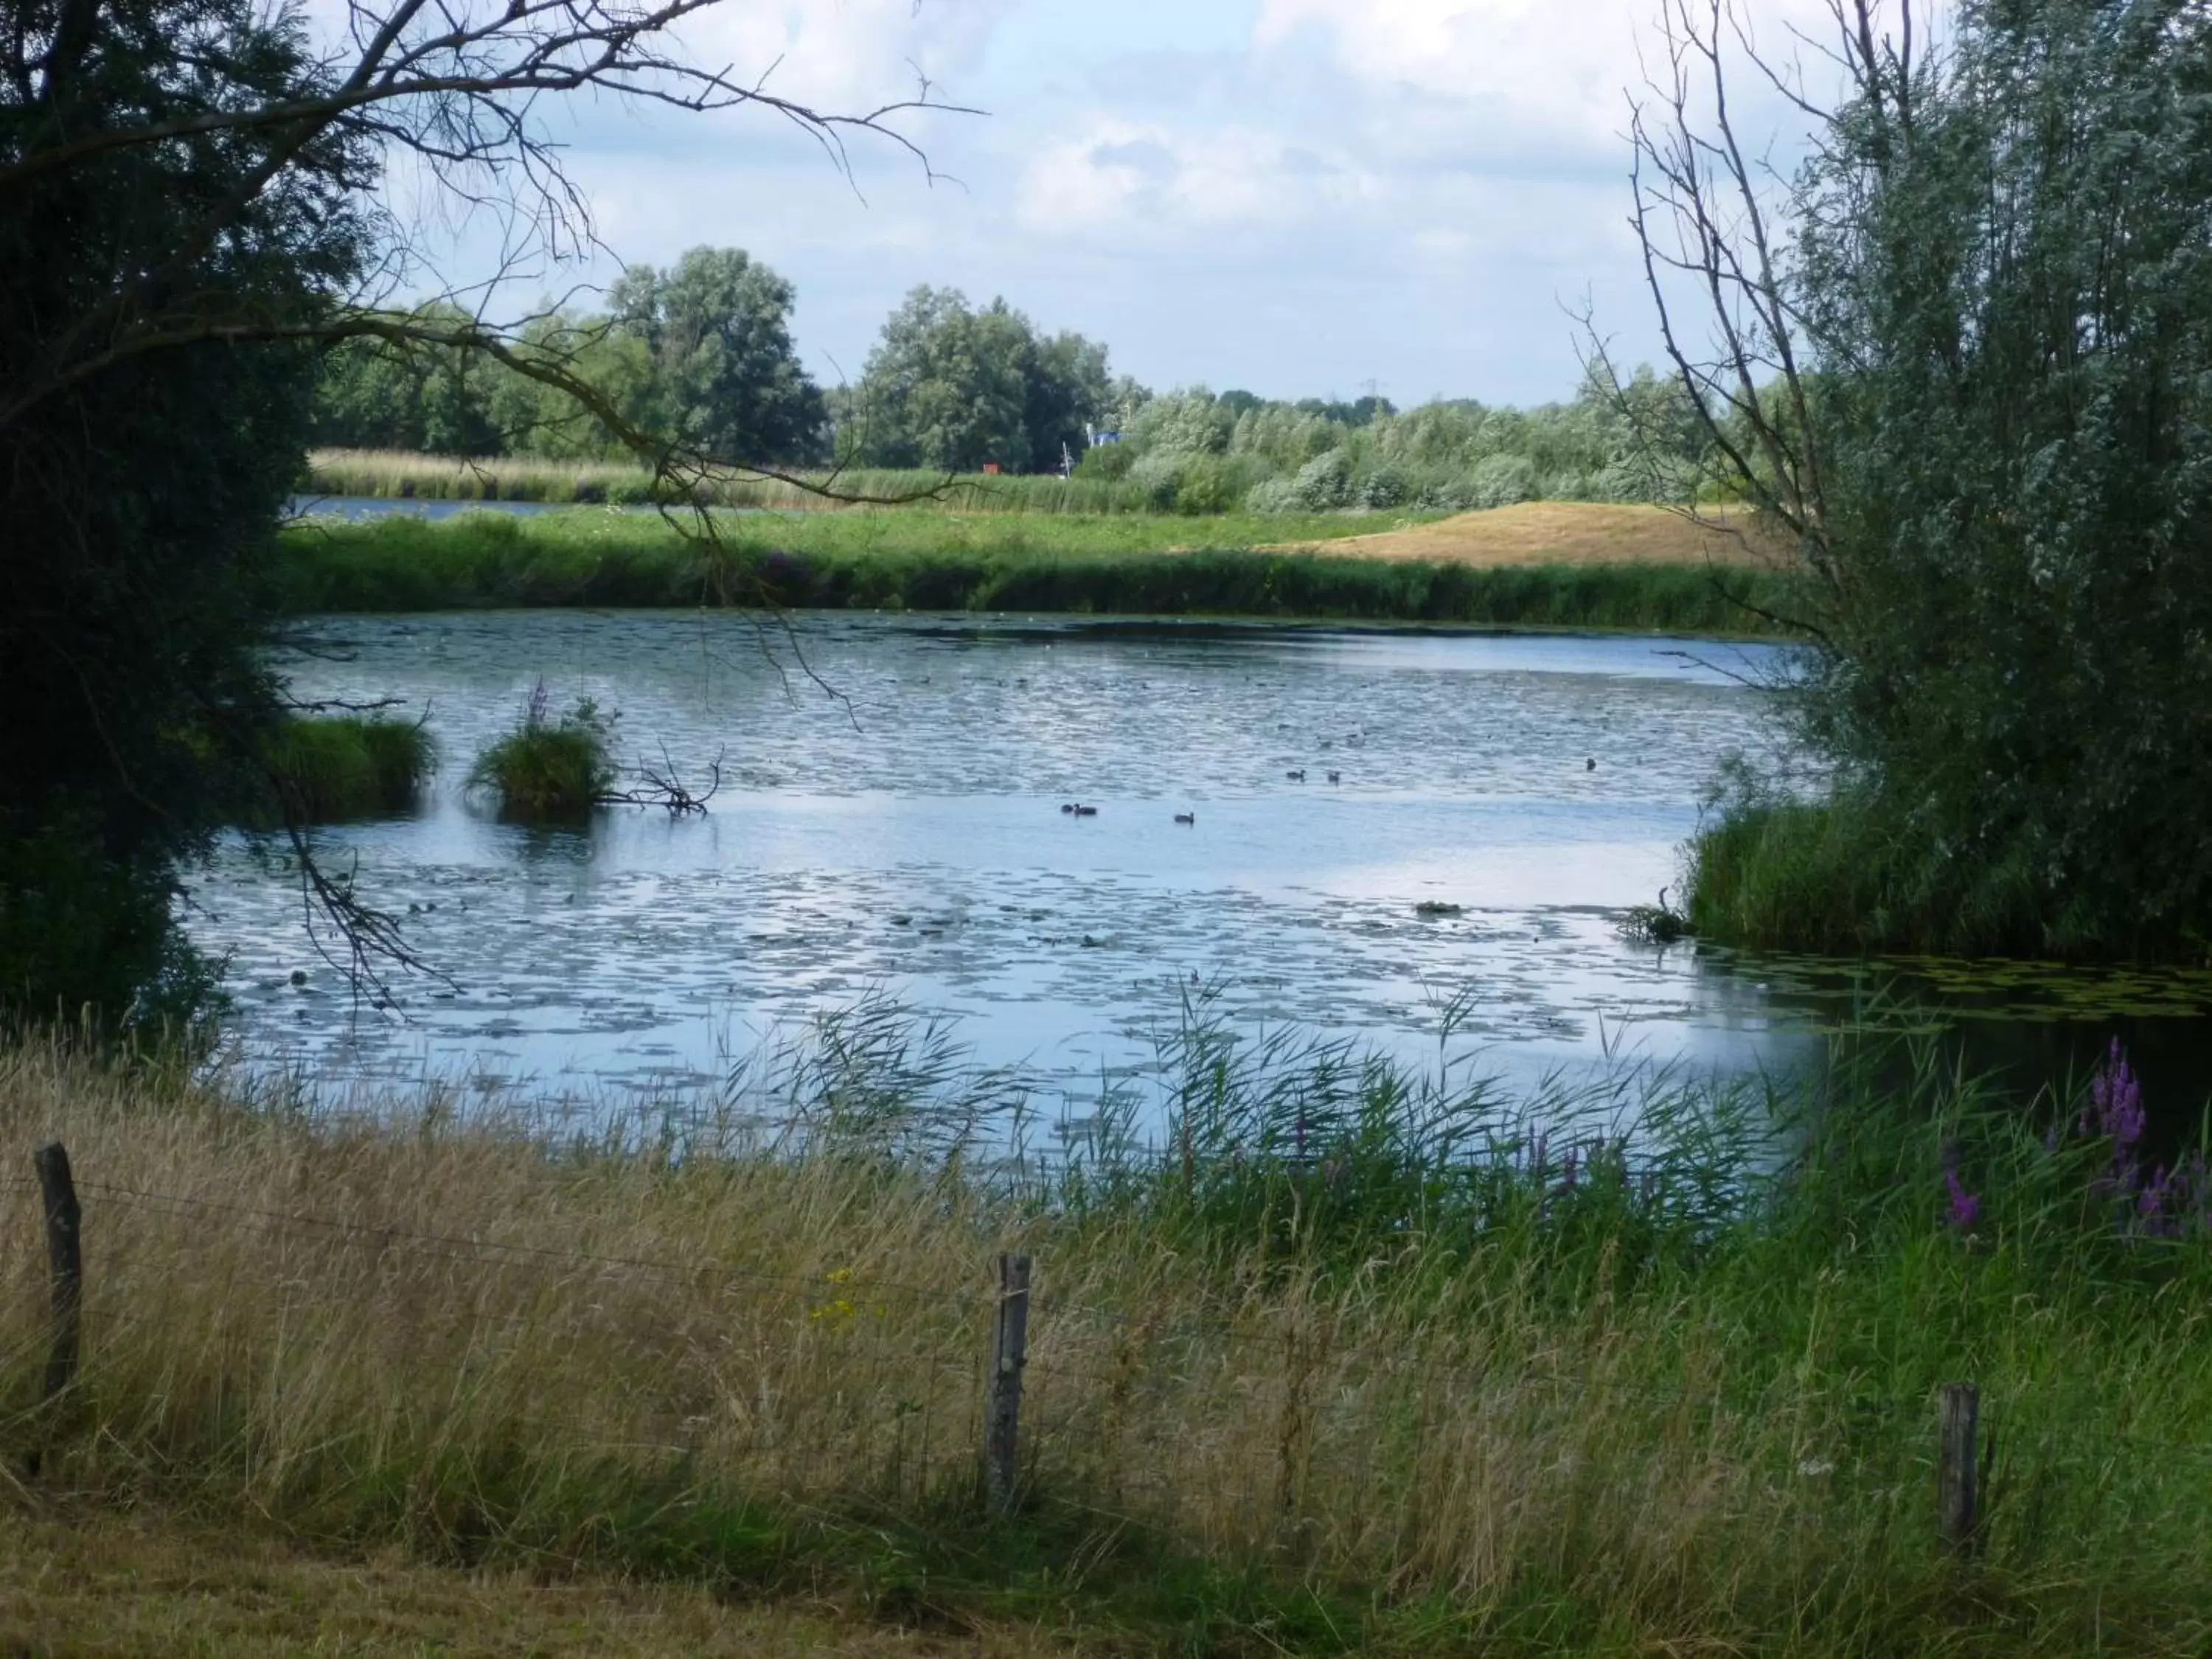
x=2153 y=1196
x=1966 y=1207
x=2116 y=1097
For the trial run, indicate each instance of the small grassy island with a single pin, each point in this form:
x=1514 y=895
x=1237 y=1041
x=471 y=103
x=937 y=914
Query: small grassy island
x=324 y=769
x=546 y=768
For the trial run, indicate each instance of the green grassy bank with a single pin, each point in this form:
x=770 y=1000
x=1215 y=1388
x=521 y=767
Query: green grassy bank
x=936 y=561
x=1847 y=875
x=1351 y=1362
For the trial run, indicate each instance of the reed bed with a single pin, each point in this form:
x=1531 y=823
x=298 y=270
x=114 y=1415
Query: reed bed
x=1344 y=1361
x=397 y=475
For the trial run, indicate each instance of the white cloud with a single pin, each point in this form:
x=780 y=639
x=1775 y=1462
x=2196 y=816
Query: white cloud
x=846 y=56
x=1117 y=179
x=1562 y=62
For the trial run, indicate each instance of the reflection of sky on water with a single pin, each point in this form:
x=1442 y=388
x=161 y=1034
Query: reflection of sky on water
x=900 y=831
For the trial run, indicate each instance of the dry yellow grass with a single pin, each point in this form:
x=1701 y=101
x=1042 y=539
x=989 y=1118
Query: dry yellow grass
x=404 y=1340
x=1563 y=534
x=462 y=1339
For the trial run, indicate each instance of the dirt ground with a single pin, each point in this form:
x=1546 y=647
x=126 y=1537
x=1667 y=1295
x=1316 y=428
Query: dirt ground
x=1560 y=534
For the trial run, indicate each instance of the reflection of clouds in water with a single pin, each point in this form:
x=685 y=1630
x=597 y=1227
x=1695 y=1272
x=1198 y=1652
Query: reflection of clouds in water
x=914 y=842
x=1070 y=974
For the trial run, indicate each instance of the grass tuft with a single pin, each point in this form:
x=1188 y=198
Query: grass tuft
x=547 y=769
x=328 y=769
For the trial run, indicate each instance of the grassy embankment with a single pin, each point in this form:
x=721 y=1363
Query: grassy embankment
x=388 y=475
x=1352 y=1367
x=326 y=768
x=1545 y=565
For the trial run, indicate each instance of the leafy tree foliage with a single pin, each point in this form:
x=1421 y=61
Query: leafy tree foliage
x=433 y=399
x=1989 y=424
x=699 y=354
x=952 y=387
x=2008 y=267
x=716 y=327
x=1633 y=441
x=138 y=491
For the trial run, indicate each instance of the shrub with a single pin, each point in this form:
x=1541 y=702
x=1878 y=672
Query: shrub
x=84 y=936
x=547 y=769
x=1385 y=487
x=1108 y=463
x=1208 y=484
x=1325 y=481
x=1274 y=496
x=1502 y=480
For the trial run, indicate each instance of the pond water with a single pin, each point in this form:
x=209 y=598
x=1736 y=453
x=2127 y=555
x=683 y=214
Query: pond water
x=890 y=824
x=387 y=506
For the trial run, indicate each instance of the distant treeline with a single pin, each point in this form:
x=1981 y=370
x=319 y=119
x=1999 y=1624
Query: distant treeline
x=701 y=354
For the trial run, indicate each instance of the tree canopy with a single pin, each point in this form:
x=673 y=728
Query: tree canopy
x=699 y=355
x=717 y=327
x=954 y=387
x=189 y=216
x=1984 y=316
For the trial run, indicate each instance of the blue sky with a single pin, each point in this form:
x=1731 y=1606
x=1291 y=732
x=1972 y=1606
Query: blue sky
x=1297 y=196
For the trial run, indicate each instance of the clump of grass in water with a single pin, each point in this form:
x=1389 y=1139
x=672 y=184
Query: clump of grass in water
x=547 y=768
x=1654 y=924
x=348 y=766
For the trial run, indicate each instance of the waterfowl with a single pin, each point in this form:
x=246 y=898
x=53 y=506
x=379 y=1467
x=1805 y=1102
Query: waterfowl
x=1185 y=817
x=1298 y=776
x=1590 y=765
x=1086 y=811
x=1336 y=777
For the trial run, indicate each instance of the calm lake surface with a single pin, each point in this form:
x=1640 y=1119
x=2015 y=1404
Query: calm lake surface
x=890 y=824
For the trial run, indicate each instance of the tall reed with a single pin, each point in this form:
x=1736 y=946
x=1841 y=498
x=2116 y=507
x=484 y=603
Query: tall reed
x=396 y=475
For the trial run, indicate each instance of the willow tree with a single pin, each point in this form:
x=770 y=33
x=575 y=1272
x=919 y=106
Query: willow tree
x=189 y=213
x=1963 y=361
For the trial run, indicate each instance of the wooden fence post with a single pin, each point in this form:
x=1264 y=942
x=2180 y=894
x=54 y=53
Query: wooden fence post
x=1010 y=1341
x=1957 y=1502
x=64 y=1262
